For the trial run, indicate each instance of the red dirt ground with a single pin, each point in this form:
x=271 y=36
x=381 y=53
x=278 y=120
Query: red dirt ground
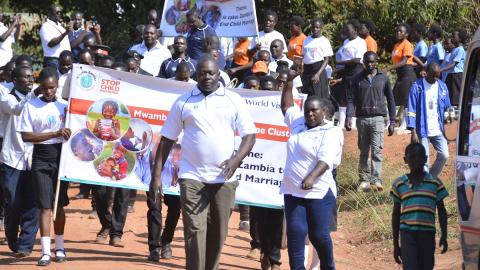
x=351 y=251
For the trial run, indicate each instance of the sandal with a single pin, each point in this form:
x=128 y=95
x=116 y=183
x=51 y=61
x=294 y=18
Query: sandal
x=44 y=260
x=60 y=259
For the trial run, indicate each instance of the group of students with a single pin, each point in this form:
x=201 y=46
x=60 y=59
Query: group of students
x=266 y=62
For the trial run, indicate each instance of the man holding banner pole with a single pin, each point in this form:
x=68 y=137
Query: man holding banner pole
x=209 y=116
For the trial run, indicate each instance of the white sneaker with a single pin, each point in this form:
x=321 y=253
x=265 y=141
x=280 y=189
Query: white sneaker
x=364 y=187
x=244 y=226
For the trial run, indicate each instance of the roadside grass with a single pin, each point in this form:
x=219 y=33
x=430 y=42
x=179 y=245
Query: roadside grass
x=372 y=210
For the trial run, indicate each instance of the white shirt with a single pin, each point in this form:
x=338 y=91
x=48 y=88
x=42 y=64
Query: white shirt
x=61 y=83
x=209 y=124
x=190 y=80
x=15 y=153
x=153 y=58
x=41 y=117
x=226 y=46
x=49 y=31
x=6 y=51
x=431 y=101
x=7 y=85
x=225 y=77
x=272 y=66
x=353 y=49
x=316 y=49
x=305 y=148
x=265 y=39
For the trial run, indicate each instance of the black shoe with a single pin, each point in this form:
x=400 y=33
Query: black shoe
x=154 y=255
x=44 y=260
x=166 y=251
x=60 y=259
x=22 y=253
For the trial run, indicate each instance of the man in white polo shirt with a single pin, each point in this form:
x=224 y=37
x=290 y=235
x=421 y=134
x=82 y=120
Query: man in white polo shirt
x=154 y=53
x=209 y=116
x=8 y=35
x=54 y=37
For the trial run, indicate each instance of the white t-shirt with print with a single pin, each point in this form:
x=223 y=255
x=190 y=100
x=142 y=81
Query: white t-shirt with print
x=353 y=49
x=316 y=49
x=305 y=148
x=40 y=117
x=431 y=101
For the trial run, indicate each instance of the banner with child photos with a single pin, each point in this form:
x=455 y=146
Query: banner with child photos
x=229 y=18
x=116 y=118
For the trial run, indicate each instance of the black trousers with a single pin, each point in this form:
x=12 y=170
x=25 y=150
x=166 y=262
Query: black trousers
x=2 y=199
x=115 y=220
x=418 y=249
x=244 y=212
x=253 y=220
x=270 y=229
x=154 y=222
x=173 y=214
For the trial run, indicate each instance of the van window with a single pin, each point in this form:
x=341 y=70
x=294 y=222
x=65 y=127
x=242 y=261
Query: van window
x=469 y=130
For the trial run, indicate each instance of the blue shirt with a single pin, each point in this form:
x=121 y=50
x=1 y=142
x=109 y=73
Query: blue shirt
x=421 y=49
x=195 y=40
x=457 y=56
x=142 y=168
x=436 y=53
x=169 y=66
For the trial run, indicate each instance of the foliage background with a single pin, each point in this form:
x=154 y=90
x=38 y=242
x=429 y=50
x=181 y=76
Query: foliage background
x=119 y=17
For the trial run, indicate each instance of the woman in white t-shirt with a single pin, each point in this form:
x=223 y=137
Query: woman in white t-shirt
x=353 y=49
x=316 y=52
x=309 y=189
x=42 y=123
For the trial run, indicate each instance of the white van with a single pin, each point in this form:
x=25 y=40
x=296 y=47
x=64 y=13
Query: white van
x=468 y=158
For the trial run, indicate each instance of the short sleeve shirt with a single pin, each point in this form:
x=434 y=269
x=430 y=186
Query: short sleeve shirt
x=240 y=53
x=195 y=40
x=354 y=49
x=305 y=148
x=153 y=58
x=209 y=124
x=295 y=45
x=457 y=56
x=421 y=49
x=418 y=203
x=265 y=40
x=436 y=53
x=402 y=49
x=371 y=44
x=41 y=117
x=316 y=49
x=49 y=31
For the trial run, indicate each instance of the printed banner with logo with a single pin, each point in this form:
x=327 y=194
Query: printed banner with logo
x=229 y=18
x=116 y=118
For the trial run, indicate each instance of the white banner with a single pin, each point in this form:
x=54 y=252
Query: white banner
x=116 y=117
x=229 y=18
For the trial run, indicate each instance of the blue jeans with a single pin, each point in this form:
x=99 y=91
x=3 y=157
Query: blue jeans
x=440 y=145
x=21 y=213
x=312 y=217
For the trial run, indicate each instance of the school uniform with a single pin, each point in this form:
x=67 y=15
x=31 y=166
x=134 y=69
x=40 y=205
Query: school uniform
x=21 y=213
x=314 y=51
x=436 y=53
x=352 y=49
x=39 y=116
x=406 y=74
x=417 y=219
x=454 y=76
x=420 y=51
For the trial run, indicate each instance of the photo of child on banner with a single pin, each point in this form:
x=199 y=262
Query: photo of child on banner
x=85 y=146
x=115 y=162
x=108 y=119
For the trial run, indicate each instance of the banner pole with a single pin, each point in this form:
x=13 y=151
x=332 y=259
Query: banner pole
x=55 y=204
